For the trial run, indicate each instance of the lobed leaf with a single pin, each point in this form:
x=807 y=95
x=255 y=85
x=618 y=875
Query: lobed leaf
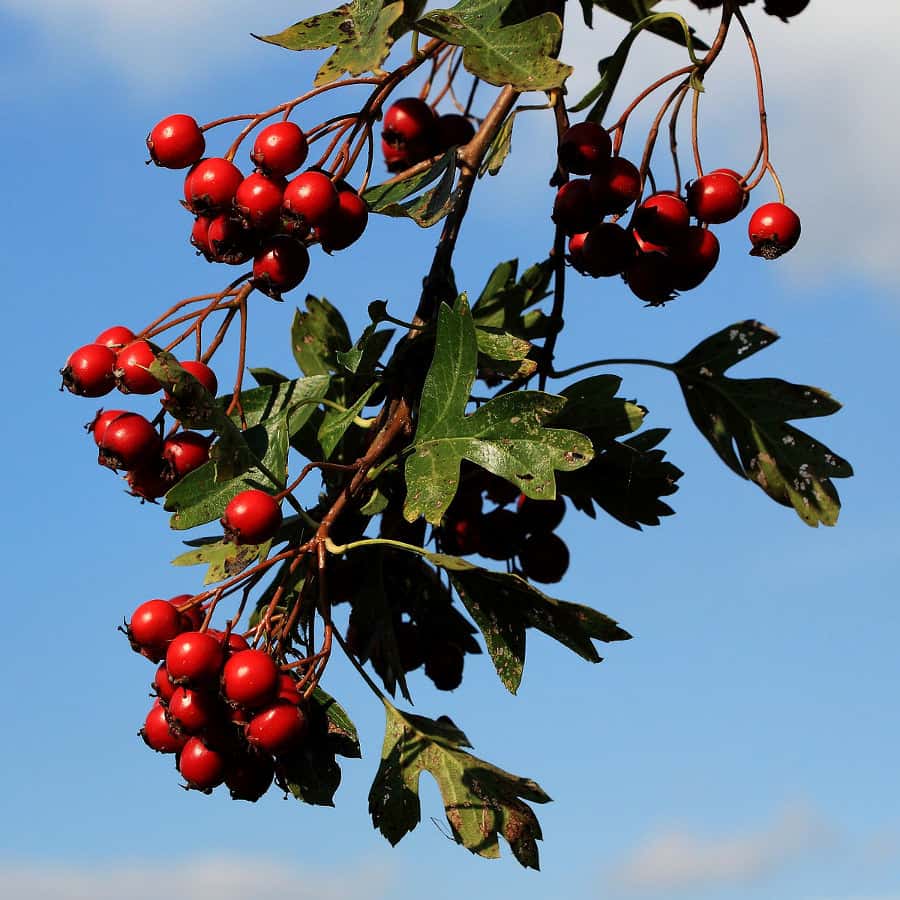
x=317 y=335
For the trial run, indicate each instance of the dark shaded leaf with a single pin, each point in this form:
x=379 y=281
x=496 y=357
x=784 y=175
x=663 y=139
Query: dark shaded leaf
x=593 y=408
x=383 y=196
x=504 y=300
x=361 y=358
x=426 y=209
x=499 y=148
x=317 y=335
x=335 y=423
x=296 y=400
x=635 y=10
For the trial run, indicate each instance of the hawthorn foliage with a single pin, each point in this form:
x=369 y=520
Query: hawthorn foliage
x=418 y=469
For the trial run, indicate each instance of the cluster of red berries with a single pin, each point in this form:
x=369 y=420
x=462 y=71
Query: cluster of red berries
x=784 y=9
x=263 y=216
x=226 y=710
x=413 y=132
x=659 y=252
x=523 y=535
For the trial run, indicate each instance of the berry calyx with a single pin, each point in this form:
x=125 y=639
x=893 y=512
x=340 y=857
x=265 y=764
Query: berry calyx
x=252 y=517
x=115 y=337
x=280 y=265
x=584 y=148
x=128 y=441
x=176 y=142
x=132 y=364
x=150 y=481
x=715 y=197
x=277 y=728
x=184 y=452
x=88 y=371
x=250 y=678
x=544 y=558
x=774 y=229
x=229 y=241
x=194 y=657
x=211 y=185
x=280 y=148
x=201 y=767
x=158 y=735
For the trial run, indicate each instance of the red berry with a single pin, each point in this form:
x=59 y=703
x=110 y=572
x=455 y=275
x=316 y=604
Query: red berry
x=444 y=666
x=163 y=685
x=277 y=728
x=201 y=767
x=194 y=657
x=158 y=735
x=153 y=626
x=774 y=229
x=461 y=536
x=88 y=371
x=252 y=517
x=615 y=186
x=176 y=142
x=250 y=678
x=576 y=254
x=258 y=200
x=540 y=516
x=185 y=452
x=280 y=148
x=192 y=711
x=115 y=337
x=607 y=250
x=249 y=776
x=200 y=236
x=203 y=373
x=280 y=265
x=347 y=222
x=740 y=178
x=234 y=644
x=311 y=197
x=715 y=197
x=287 y=689
x=501 y=534
x=651 y=277
x=574 y=209
x=229 y=242
x=409 y=120
x=98 y=426
x=128 y=442
x=150 y=481
x=662 y=218
x=584 y=148
x=454 y=130
x=132 y=364
x=544 y=558
x=694 y=258
x=212 y=184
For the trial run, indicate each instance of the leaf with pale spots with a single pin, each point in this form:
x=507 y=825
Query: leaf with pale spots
x=481 y=801
x=745 y=420
x=506 y=436
x=224 y=558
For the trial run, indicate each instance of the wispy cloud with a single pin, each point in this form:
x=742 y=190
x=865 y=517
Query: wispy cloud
x=680 y=859
x=210 y=878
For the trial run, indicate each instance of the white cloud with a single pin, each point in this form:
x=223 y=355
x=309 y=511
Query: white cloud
x=678 y=859
x=210 y=878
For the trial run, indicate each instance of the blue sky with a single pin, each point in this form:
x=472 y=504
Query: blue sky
x=742 y=747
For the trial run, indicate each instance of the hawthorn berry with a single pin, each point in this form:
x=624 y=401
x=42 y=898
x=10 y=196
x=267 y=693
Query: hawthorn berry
x=461 y=537
x=250 y=678
x=574 y=209
x=191 y=711
x=607 y=250
x=153 y=627
x=200 y=237
x=694 y=258
x=258 y=200
x=131 y=369
x=544 y=558
x=97 y=426
x=277 y=728
x=150 y=481
x=201 y=767
x=740 y=178
x=346 y=223
x=498 y=490
x=287 y=689
x=115 y=336
x=163 y=685
x=539 y=516
x=715 y=197
x=410 y=133
x=252 y=517
x=280 y=148
x=501 y=534
x=249 y=776
x=229 y=242
x=203 y=373
x=651 y=277
x=194 y=657
x=158 y=735
x=89 y=371
x=615 y=186
x=128 y=441
x=444 y=666
x=311 y=197
x=662 y=218
x=774 y=229
x=576 y=254
x=184 y=452
x=211 y=185
x=584 y=148
x=234 y=643
x=280 y=265
x=454 y=130
x=176 y=142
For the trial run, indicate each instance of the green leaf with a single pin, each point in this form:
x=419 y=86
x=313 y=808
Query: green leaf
x=504 y=300
x=506 y=436
x=342 y=734
x=361 y=358
x=503 y=42
x=362 y=33
x=499 y=148
x=317 y=335
x=335 y=423
x=382 y=197
x=297 y=400
x=267 y=377
x=426 y=209
x=502 y=345
x=504 y=606
x=481 y=801
x=745 y=421
x=592 y=407
x=224 y=558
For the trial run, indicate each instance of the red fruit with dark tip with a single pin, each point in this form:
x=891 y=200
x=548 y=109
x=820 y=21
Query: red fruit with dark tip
x=408 y=120
x=544 y=558
x=454 y=130
x=576 y=251
x=280 y=265
x=176 y=142
x=444 y=666
x=716 y=197
x=97 y=427
x=287 y=689
x=250 y=678
x=584 y=148
x=192 y=711
x=615 y=186
x=461 y=536
x=157 y=734
x=651 y=277
x=347 y=223
x=229 y=242
x=115 y=337
x=150 y=481
x=694 y=258
x=396 y=156
x=252 y=517
x=185 y=452
x=163 y=685
x=128 y=442
x=662 y=218
x=89 y=371
x=540 y=516
x=774 y=229
x=278 y=728
x=608 y=249
x=574 y=209
x=311 y=197
x=280 y=148
x=258 y=200
x=153 y=626
x=203 y=373
x=194 y=657
x=211 y=185
x=200 y=236
x=132 y=364
x=249 y=776
x=201 y=767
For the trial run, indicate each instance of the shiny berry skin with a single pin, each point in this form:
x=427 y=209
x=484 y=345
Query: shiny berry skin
x=651 y=277
x=738 y=177
x=615 y=186
x=192 y=711
x=115 y=337
x=544 y=558
x=250 y=678
x=212 y=184
x=280 y=148
x=662 y=218
x=132 y=364
x=203 y=373
x=576 y=252
x=150 y=481
x=784 y=9
x=128 y=442
x=584 y=148
x=444 y=666
x=100 y=422
x=408 y=120
x=258 y=200
x=454 y=130
x=774 y=229
x=249 y=776
x=157 y=734
x=277 y=728
x=200 y=236
x=715 y=197
x=176 y=142
x=608 y=249
x=185 y=452
x=312 y=197
x=200 y=766
x=280 y=265
x=694 y=258
x=346 y=223
x=287 y=689
x=574 y=209
x=540 y=516
x=194 y=657
x=153 y=626
x=396 y=156
x=163 y=685
x=88 y=371
x=234 y=644
x=252 y=517
x=229 y=241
